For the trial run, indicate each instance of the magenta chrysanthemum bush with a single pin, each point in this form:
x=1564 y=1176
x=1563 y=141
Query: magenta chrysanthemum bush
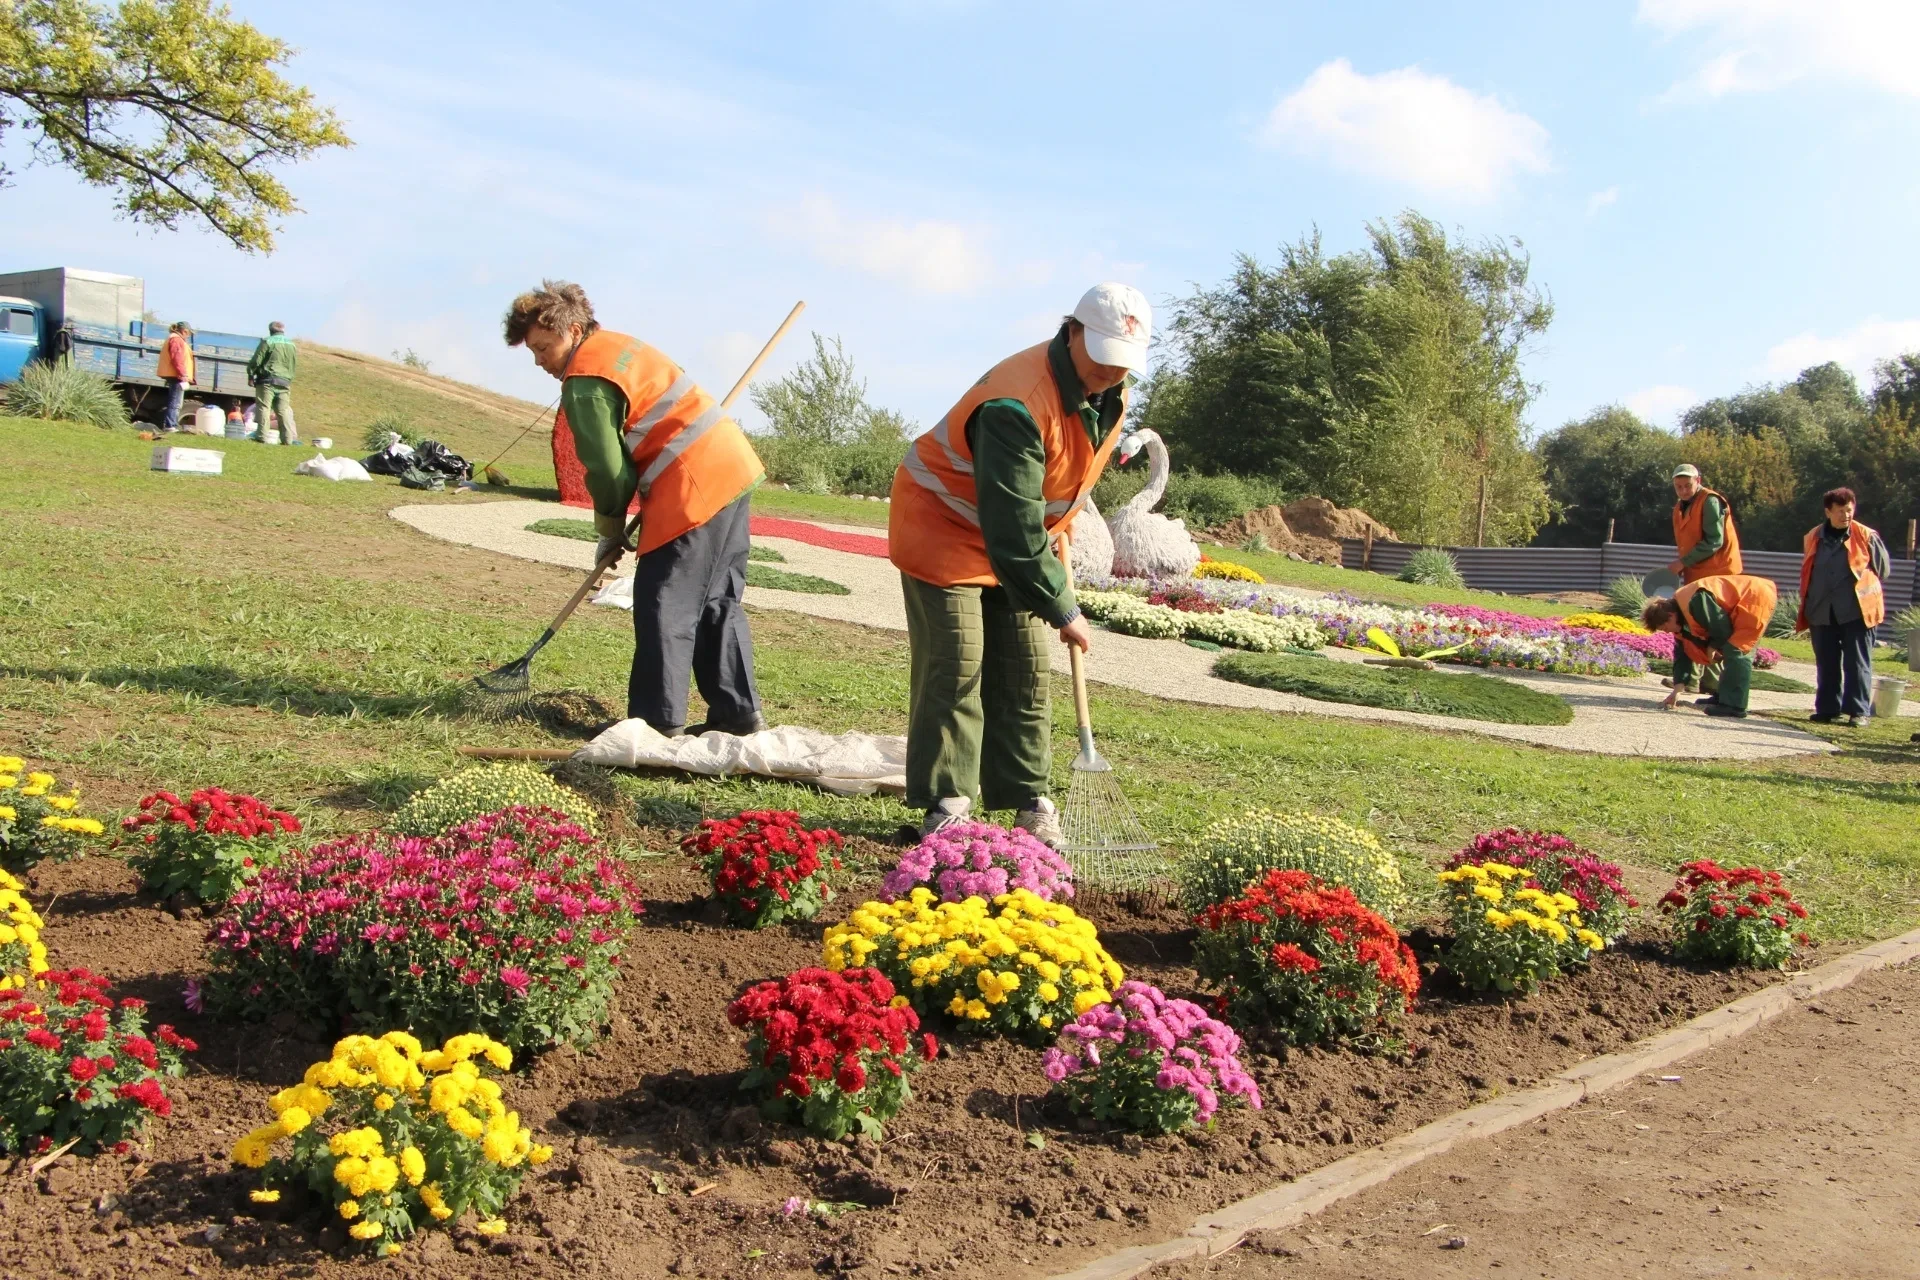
x=1149 y=1062
x=980 y=860
x=510 y=924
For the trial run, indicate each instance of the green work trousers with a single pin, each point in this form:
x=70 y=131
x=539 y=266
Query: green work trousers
x=1685 y=672
x=270 y=401
x=980 y=716
x=1729 y=677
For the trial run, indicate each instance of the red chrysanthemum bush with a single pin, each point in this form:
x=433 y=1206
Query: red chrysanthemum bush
x=1556 y=864
x=209 y=844
x=831 y=1051
x=511 y=924
x=1307 y=958
x=74 y=1063
x=1743 y=915
x=765 y=866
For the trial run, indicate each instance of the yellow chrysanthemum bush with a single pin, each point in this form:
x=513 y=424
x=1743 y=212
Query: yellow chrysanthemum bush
x=37 y=819
x=393 y=1137
x=1509 y=938
x=1226 y=571
x=1605 y=622
x=22 y=954
x=1019 y=966
x=1235 y=852
x=485 y=789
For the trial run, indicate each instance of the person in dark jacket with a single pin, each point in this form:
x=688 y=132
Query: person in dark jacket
x=1841 y=602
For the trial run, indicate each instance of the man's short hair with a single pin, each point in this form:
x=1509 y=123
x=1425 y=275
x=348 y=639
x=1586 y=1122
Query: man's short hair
x=1838 y=498
x=555 y=305
x=1658 y=612
x=276 y=327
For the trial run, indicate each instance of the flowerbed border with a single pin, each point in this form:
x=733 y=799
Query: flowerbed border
x=1283 y=1205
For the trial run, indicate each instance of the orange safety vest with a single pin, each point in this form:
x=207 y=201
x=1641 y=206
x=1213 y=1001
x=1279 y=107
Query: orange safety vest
x=181 y=366
x=694 y=461
x=1866 y=583
x=933 y=526
x=1748 y=601
x=1686 y=536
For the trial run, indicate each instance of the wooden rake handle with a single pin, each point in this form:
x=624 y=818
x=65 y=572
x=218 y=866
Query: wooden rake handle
x=1077 y=663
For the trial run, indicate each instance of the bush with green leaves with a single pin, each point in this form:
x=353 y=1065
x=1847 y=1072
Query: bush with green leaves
x=382 y=430
x=64 y=392
x=486 y=789
x=1234 y=852
x=1904 y=623
x=1625 y=597
x=1786 y=616
x=1432 y=567
x=1203 y=501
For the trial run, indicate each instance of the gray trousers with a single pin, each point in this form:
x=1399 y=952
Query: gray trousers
x=688 y=620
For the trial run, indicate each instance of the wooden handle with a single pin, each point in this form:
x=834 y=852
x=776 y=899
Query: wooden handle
x=517 y=753
x=1076 y=661
x=765 y=351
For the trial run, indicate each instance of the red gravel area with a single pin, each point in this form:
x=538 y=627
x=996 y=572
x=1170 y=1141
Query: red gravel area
x=662 y=1171
x=860 y=544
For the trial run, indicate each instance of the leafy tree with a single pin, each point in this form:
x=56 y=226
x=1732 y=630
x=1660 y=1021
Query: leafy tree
x=822 y=402
x=1388 y=379
x=1609 y=465
x=174 y=105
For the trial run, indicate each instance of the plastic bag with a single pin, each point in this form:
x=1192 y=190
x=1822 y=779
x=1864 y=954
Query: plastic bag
x=332 y=468
x=849 y=764
x=434 y=456
x=431 y=481
x=392 y=460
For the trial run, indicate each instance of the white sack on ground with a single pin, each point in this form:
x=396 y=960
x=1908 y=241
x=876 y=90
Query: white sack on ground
x=333 y=469
x=617 y=594
x=852 y=764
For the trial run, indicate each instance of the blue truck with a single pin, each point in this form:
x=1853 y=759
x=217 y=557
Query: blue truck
x=96 y=319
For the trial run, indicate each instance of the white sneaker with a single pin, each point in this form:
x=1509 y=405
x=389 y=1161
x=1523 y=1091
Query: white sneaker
x=947 y=813
x=1042 y=822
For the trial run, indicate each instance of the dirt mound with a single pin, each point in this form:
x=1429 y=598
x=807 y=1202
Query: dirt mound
x=1270 y=524
x=1312 y=517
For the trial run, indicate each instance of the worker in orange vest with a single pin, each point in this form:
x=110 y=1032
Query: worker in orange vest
x=1842 y=568
x=1717 y=619
x=1709 y=547
x=641 y=425
x=977 y=505
x=177 y=371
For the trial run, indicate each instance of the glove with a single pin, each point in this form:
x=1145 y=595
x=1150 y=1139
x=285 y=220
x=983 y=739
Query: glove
x=606 y=547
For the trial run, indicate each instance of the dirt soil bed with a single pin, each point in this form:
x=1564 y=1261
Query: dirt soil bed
x=660 y=1169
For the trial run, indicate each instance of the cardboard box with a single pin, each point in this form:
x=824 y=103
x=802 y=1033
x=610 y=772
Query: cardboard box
x=204 y=462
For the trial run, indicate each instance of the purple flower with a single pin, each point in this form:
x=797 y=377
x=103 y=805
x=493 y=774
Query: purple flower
x=195 y=996
x=980 y=860
x=793 y=1207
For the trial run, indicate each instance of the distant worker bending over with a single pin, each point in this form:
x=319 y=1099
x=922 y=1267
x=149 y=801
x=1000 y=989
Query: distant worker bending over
x=642 y=426
x=1709 y=546
x=976 y=507
x=271 y=372
x=1717 y=620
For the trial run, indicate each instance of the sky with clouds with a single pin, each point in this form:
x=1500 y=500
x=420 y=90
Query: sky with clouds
x=1716 y=192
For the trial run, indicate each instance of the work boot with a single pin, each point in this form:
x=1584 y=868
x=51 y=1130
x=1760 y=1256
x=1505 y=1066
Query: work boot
x=738 y=729
x=1041 y=821
x=1722 y=709
x=949 y=812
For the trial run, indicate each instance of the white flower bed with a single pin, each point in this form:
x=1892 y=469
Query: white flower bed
x=1234 y=628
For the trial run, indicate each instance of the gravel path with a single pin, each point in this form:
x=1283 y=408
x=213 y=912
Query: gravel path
x=1610 y=716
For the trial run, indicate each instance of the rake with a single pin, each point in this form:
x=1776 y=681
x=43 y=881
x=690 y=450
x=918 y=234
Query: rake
x=1104 y=842
x=508 y=687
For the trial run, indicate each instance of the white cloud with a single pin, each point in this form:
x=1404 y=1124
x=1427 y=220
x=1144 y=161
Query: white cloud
x=927 y=256
x=1411 y=127
x=1755 y=45
x=1661 y=405
x=1601 y=199
x=1857 y=349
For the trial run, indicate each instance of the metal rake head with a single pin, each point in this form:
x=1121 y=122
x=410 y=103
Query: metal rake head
x=1109 y=850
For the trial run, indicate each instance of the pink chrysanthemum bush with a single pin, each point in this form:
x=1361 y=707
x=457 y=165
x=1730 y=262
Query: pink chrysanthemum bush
x=980 y=860
x=1149 y=1062
x=511 y=924
x=1556 y=864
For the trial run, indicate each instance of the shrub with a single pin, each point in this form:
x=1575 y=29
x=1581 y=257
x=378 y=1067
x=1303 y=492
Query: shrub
x=1432 y=567
x=393 y=1139
x=1148 y=1062
x=23 y=956
x=1737 y=915
x=1020 y=967
x=1786 y=616
x=64 y=392
x=383 y=429
x=811 y=476
x=35 y=822
x=1308 y=959
x=1558 y=865
x=511 y=924
x=1234 y=852
x=1904 y=623
x=1487 y=698
x=484 y=789
x=1507 y=937
x=765 y=866
x=208 y=845
x=73 y=1064
x=980 y=860
x=831 y=1051
x=1625 y=596
x=1227 y=571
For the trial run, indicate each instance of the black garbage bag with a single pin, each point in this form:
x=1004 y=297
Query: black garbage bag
x=392 y=460
x=436 y=457
x=431 y=481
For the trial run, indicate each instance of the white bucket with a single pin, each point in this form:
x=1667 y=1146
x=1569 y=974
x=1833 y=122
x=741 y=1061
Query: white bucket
x=269 y=435
x=209 y=421
x=1886 y=695
x=323 y=442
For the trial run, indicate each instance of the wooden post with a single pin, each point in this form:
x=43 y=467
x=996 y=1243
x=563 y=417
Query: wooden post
x=1609 y=528
x=1913 y=528
x=1480 y=531
x=1366 y=548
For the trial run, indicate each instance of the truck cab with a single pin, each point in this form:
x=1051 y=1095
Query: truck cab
x=20 y=336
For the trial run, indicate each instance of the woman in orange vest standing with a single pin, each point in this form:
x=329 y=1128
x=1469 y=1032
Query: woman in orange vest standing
x=642 y=426
x=976 y=507
x=1841 y=601
x=177 y=371
x=1717 y=620
x=1709 y=547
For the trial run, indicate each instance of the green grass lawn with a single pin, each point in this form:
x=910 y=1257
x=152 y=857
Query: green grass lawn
x=1800 y=649
x=770 y=500
x=282 y=635
x=1433 y=692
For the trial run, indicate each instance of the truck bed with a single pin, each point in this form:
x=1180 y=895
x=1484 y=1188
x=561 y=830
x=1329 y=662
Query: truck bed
x=124 y=357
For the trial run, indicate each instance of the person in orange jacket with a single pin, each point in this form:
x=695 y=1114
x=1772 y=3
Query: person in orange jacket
x=1708 y=544
x=641 y=426
x=1842 y=567
x=1717 y=619
x=176 y=368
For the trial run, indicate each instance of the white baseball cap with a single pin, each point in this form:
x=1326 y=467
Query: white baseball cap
x=1686 y=469
x=1119 y=325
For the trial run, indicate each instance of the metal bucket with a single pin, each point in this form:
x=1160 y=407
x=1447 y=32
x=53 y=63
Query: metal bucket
x=1886 y=695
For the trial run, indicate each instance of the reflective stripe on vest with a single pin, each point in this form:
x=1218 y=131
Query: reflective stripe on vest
x=680 y=443
x=647 y=421
x=916 y=467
